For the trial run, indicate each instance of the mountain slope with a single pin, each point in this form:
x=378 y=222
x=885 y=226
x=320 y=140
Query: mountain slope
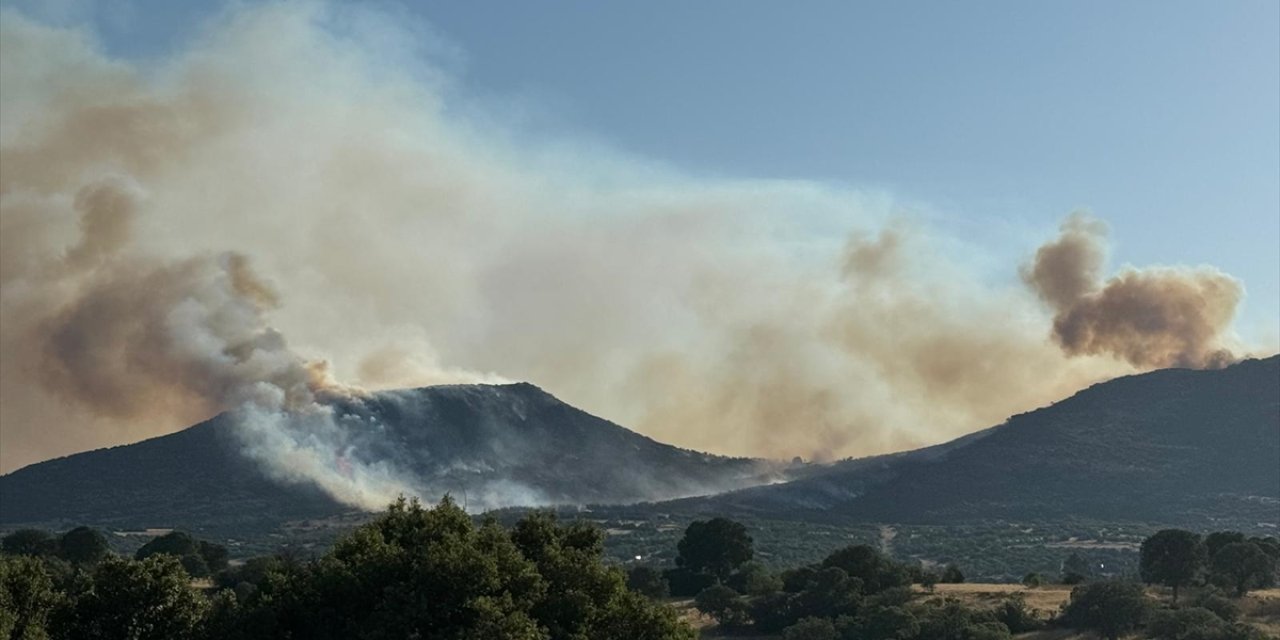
x=1174 y=445
x=490 y=444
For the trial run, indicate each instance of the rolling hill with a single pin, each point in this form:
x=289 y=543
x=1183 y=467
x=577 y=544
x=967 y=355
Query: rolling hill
x=1170 y=446
x=1176 y=446
x=461 y=439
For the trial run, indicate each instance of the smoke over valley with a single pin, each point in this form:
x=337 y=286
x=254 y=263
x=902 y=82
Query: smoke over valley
x=298 y=211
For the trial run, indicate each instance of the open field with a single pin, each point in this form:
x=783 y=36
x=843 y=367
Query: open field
x=1046 y=600
x=1259 y=608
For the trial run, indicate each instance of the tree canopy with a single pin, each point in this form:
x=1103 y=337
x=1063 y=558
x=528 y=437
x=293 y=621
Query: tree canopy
x=1110 y=607
x=716 y=547
x=1172 y=557
x=83 y=545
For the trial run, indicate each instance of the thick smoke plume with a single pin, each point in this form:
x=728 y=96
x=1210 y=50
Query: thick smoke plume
x=306 y=171
x=1154 y=317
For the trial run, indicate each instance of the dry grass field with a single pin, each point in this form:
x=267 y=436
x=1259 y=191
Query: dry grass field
x=1259 y=608
x=1046 y=600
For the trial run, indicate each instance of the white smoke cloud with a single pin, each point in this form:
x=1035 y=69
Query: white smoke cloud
x=300 y=171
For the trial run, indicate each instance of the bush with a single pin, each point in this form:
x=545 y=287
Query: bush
x=1033 y=580
x=198 y=558
x=83 y=545
x=723 y=604
x=811 y=629
x=1213 y=600
x=647 y=582
x=773 y=612
x=686 y=583
x=875 y=570
x=754 y=579
x=888 y=622
x=1110 y=608
x=1196 y=623
x=1017 y=616
x=952 y=575
x=29 y=542
x=950 y=618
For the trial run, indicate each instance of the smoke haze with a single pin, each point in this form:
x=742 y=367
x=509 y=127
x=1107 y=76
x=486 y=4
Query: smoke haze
x=166 y=226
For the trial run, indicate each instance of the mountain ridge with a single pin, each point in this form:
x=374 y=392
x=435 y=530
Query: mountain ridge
x=1172 y=445
x=476 y=439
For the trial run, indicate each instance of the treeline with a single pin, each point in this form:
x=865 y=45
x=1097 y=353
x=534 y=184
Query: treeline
x=411 y=573
x=859 y=593
x=416 y=572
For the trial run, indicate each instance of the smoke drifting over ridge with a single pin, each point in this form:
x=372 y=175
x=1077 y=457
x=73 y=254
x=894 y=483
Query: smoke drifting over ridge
x=1154 y=317
x=164 y=227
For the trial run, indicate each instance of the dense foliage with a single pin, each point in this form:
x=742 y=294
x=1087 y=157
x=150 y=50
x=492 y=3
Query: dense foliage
x=411 y=573
x=416 y=572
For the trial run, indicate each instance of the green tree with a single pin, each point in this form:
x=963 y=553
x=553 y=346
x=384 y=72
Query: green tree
x=811 y=629
x=1076 y=570
x=1212 y=599
x=433 y=573
x=1172 y=557
x=952 y=575
x=1110 y=608
x=27 y=598
x=631 y=617
x=723 y=604
x=1215 y=541
x=1184 y=624
x=1242 y=566
x=716 y=547
x=140 y=600
x=215 y=556
x=950 y=619
x=876 y=570
x=83 y=545
x=1017 y=616
x=198 y=557
x=29 y=542
x=754 y=579
x=827 y=593
x=647 y=582
x=1033 y=580
x=889 y=623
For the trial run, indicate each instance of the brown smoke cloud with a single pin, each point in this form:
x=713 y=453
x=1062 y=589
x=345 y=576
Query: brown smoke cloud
x=164 y=227
x=1153 y=317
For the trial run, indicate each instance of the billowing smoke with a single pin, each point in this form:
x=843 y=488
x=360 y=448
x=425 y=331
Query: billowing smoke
x=1153 y=317
x=306 y=171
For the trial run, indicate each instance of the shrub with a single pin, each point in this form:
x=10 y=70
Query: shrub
x=83 y=545
x=754 y=579
x=29 y=542
x=1183 y=624
x=647 y=582
x=811 y=629
x=1111 y=608
x=1213 y=600
x=686 y=583
x=1017 y=616
x=952 y=575
x=723 y=604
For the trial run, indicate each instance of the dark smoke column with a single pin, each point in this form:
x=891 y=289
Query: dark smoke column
x=1153 y=317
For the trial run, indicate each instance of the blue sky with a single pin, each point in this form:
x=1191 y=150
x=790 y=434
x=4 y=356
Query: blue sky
x=998 y=118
